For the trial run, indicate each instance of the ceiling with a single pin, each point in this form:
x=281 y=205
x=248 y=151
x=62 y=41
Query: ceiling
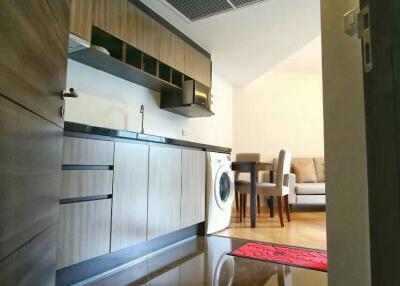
x=248 y=42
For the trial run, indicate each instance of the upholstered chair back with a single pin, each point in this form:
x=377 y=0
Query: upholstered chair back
x=283 y=170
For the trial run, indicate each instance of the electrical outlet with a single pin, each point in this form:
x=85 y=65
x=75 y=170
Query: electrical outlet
x=184 y=132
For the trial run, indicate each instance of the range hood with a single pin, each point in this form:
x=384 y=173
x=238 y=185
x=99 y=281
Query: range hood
x=192 y=101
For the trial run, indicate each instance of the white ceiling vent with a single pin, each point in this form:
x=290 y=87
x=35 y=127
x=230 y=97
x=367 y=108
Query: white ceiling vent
x=199 y=9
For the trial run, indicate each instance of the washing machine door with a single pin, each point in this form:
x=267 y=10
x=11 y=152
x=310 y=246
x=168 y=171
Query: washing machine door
x=224 y=187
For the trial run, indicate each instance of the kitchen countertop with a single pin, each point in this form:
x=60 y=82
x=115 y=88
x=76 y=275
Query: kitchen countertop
x=114 y=133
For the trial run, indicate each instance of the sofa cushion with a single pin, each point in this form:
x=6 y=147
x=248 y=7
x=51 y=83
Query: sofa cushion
x=310 y=188
x=304 y=170
x=320 y=169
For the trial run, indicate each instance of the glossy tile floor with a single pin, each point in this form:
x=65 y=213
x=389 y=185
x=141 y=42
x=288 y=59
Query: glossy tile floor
x=306 y=229
x=203 y=261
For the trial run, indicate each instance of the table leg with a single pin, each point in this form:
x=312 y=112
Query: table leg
x=253 y=176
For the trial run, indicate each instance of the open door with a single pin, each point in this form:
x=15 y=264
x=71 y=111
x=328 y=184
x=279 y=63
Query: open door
x=382 y=113
x=361 y=72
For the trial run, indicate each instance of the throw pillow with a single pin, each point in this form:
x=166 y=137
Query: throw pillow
x=305 y=172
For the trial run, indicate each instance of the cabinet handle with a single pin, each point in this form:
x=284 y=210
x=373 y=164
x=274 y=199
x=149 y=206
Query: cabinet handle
x=72 y=93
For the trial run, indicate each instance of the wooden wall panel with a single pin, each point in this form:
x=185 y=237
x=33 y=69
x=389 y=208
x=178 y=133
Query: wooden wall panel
x=33 y=63
x=30 y=175
x=129 y=221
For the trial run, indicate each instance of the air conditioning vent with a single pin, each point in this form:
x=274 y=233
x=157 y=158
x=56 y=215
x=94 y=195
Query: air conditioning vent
x=195 y=10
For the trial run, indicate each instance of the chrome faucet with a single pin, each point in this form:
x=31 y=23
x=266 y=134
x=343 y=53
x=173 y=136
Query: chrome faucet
x=142 y=112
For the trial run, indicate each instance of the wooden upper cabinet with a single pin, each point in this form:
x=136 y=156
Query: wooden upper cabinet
x=172 y=50
x=197 y=65
x=111 y=16
x=81 y=18
x=134 y=15
x=147 y=33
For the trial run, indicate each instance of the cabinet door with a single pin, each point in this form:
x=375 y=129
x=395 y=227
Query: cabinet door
x=164 y=191
x=33 y=51
x=134 y=16
x=172 y=50
x=129 y=220
x=83 y=231
x=81 y=18
x=111 y=16
x=197 y=66
x=148 y=34
x=193 y=187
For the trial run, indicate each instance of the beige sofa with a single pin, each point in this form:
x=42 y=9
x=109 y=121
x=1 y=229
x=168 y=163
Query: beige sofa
x=311 y=191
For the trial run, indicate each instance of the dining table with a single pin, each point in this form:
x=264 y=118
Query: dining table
x=254 y=168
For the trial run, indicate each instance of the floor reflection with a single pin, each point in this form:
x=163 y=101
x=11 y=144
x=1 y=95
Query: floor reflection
x=204 y=261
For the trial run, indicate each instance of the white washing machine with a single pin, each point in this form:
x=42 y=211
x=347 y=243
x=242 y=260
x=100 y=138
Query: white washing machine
x=220 y=192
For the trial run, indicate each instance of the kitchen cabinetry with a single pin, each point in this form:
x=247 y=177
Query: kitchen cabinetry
x=80 y=151
x=193 y=187
x=148 y=34
x=85 y=183
x=81 y=18
x=172 y=50
x=83 y=231
x=164 y=190
x=197 y=65
x=129 y=220
x=111 y=16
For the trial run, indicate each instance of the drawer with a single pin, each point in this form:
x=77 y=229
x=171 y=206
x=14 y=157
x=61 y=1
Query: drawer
x=80 y=151
x=83 y=183
x=83 y=231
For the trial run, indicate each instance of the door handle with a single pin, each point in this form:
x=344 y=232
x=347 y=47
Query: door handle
x=71 y=93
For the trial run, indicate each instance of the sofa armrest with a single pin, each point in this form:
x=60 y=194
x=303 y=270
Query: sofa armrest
x=292 y=188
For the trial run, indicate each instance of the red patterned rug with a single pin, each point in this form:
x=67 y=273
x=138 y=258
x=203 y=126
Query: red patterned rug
x=293 y=256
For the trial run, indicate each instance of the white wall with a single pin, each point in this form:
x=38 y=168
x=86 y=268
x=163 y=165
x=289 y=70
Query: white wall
x=283 y=108
x=108 y=101
x=345 y=156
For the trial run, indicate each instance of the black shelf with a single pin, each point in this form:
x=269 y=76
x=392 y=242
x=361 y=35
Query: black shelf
x=133 y=65
x=122 y=70
x=126 y=62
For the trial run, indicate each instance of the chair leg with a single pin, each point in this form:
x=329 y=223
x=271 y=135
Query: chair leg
x=240 y=207
x=286 y=198
x=237 y=200
x=280 y=210
x=244 y=205
x=271 y=206
x=258 y=204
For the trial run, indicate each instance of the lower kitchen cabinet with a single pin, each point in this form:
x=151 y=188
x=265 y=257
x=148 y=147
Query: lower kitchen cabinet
x=83 y=231
x=129 y=216
x=164 y=191
x=193 y=187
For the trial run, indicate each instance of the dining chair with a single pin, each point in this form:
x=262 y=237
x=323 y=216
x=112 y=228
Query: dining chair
x=241 y=202
x=280 y=189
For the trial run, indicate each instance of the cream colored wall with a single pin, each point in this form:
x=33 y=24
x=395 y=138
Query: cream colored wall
x=280 y=110
x=345 y=145
x=108 y=101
